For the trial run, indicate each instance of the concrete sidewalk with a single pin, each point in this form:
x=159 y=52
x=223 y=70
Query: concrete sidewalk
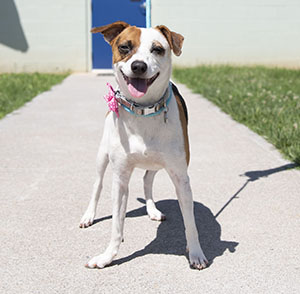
x=247 y=204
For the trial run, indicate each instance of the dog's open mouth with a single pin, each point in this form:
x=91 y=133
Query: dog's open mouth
x=138 y=87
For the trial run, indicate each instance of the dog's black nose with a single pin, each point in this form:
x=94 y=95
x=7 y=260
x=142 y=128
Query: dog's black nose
x=138 y=67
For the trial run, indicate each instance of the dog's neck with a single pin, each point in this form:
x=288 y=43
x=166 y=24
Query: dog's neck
x=145 y=110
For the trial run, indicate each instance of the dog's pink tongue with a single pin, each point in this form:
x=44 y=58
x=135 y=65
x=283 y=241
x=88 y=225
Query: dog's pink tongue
x=137 y=87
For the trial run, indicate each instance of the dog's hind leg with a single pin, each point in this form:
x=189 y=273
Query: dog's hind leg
x=152 y=211
x=89 y=215
x=119 y=199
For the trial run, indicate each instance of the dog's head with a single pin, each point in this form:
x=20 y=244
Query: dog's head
x=141 y=58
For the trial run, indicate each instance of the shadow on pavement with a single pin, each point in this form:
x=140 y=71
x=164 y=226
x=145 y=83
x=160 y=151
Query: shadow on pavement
x=170 y=238
x=254 y=176
x=257 y=174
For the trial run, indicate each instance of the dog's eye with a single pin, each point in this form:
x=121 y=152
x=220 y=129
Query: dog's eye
x=157 y=50
x=124 y=49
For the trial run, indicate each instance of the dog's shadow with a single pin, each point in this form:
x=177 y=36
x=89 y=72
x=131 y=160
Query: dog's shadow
x=170 y=238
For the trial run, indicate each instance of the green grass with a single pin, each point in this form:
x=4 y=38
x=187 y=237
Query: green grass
x=267 y=100
x=17 y=89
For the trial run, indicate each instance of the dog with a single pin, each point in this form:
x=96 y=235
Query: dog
x=148 y=130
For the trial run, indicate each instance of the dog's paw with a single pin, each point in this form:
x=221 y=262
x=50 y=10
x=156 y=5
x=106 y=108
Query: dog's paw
x=198 y=260
x=156 y=215
x=87 y=219
x=100 y=261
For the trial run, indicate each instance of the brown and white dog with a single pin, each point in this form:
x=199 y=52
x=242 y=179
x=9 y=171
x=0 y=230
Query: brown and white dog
x=149 y=133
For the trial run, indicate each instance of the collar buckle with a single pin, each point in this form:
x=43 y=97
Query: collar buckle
x=139 y=111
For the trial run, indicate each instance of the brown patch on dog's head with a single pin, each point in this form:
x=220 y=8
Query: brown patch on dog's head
x=175 y=40
x=123 y=38
x=126 y=44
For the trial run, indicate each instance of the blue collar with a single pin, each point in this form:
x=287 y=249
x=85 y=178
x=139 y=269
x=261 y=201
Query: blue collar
x=145 y=111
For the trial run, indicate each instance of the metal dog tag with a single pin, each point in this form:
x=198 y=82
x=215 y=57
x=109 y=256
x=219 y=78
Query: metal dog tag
x=166 y=112
x=166 y=116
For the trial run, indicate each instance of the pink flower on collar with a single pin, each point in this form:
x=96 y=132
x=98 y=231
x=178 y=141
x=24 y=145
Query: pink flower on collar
x=111 y=100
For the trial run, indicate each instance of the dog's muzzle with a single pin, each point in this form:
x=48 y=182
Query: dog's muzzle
x=137 y=86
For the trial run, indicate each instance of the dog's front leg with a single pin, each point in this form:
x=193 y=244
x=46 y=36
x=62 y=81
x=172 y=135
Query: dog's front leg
x=89 y=215
x=181 y=181
x=119 y=199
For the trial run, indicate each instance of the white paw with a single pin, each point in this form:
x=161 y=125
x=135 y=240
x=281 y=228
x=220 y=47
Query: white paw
x=87 y=219
x=155 y=214
x=198 y=260
x=100 y=261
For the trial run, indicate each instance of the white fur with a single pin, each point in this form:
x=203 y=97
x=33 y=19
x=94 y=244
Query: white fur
x=148 y=143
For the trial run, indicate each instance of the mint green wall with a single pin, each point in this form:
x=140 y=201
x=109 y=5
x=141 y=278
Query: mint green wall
x=234 y=31
x=46 y=36
x=50 y=36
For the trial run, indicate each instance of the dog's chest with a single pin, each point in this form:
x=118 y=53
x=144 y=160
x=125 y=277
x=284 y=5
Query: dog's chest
x=147 y=142
x=148 y=145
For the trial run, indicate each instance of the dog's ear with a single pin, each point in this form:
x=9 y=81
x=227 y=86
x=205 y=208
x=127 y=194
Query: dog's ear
x=175 y=40
x=111 y=31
